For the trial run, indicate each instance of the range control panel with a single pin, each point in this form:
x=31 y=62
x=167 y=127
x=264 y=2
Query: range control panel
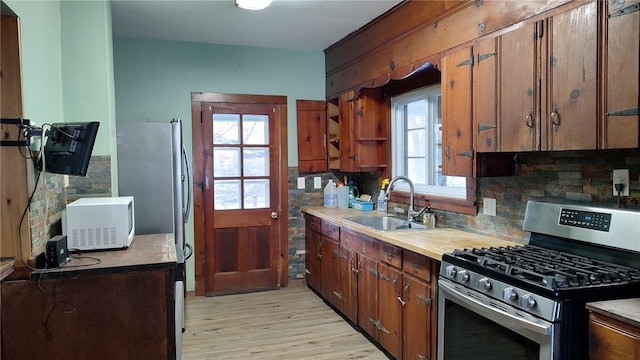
x=585 y=219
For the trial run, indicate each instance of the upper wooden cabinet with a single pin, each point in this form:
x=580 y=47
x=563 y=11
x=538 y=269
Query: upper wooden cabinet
x=548 y=83
x=457 y=144
x=621 y=75
x=363 y=132
x=312 y=131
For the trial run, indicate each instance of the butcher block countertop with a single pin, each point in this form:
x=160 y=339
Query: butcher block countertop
x=432 y=243
x=625 y=310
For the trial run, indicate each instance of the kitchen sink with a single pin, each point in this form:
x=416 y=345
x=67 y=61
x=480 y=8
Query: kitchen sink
x=386 y=223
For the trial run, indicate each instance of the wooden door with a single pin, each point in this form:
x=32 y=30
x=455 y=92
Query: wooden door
x=571 y=60
x=349 y=283
x=241 y=216
x=312 y=135
x=457 y=142
x=370 y=131
x=518 y=127
x=346 y=104
x=313 y=258
x=331 y=271
x=390 y=310
x=485 y=88
x=416 y=320
x=368 y=295
x=622 y=68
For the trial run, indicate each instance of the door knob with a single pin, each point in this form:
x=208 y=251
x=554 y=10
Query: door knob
x=274 y=214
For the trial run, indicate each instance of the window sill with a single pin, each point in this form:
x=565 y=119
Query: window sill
x=463 y=206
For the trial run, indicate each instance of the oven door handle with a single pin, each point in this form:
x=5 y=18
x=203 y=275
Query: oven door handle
x=478 y=307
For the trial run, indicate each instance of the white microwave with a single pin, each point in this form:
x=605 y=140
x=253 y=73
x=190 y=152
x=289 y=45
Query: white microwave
x=99 y=223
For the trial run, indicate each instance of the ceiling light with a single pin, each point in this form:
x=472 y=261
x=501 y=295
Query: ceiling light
x=253 y=4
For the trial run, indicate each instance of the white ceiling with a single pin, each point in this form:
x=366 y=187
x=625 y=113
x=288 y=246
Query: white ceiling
x=286 y=24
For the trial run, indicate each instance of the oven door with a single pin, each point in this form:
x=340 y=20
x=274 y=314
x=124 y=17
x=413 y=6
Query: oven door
x=474 y=326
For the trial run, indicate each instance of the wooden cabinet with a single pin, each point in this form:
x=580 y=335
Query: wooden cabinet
x=611 y=339
x=388 y=292
x=312 y=131
x=548 y=82
x=313 y=255
x=362 y=132
x=621 y=75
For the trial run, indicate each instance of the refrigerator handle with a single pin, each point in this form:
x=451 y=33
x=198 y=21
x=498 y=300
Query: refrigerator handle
x=187 y=208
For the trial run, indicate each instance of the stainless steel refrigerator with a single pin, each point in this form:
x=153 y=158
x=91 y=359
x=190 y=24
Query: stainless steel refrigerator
x=154 y=168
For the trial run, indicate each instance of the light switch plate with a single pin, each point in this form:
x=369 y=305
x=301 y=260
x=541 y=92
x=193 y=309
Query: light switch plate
x=489 y=206
x=317 y=182
x=301 y=183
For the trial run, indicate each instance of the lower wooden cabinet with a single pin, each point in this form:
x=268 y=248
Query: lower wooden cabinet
x=388 y=292
x=611 y=339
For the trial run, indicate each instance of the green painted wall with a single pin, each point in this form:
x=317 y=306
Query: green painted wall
x=154 y=80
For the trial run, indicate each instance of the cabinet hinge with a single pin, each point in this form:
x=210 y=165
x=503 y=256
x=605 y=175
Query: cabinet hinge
x=378 y=325
x=422 y=357
x=383 y=277
x=374 y=272
x=469 y=61
x=539 y=31
x=482 y=127
x=338 y=295
x=625 y=112
x=628 y=10
x=466 y=154
x=340 y=254
x=485 y=56
x=424 y=299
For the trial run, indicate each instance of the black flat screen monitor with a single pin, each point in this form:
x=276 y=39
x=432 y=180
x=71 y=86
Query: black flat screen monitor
x=68 y=148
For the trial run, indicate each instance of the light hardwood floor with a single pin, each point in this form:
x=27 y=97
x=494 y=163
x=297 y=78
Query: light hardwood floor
x=290 y=323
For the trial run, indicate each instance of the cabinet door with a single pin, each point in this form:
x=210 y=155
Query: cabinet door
x=330 y=271
x=313 y=256
x=390 y=310
x=518 y=128
x=416 y=321
x=571 y=59
x=622 y=68
x=349 y=284
x=457 y=143
x=312 y=130
x=485 y=95
x=368 y=295
x=346 y=105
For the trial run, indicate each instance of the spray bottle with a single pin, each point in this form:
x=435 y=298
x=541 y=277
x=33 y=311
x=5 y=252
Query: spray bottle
x=382 y=202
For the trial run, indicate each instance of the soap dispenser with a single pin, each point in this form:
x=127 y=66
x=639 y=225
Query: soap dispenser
x=429 y=218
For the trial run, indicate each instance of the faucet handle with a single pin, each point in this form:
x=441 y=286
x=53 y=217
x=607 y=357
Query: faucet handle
x=417 y=214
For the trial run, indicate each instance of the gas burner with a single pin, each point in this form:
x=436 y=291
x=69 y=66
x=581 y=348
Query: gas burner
x=547 y=268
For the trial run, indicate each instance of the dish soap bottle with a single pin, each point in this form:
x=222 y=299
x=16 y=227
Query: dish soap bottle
x=382 y=202
x=429 y=218
x=330 y=195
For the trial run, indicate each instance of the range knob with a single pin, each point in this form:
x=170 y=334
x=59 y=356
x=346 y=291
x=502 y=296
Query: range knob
x=450 y=272
x=509 y=294
x=484 y=284
x=463 y=276
x=527 y=301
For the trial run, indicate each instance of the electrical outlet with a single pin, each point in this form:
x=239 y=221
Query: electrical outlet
x=621 y=176
x=317 y=182
x=489 y=206
x=301 y=183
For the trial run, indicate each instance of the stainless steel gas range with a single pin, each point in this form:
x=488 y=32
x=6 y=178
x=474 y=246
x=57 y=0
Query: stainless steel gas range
x=528 y=302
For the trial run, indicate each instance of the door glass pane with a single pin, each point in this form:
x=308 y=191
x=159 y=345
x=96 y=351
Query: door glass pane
x=226 y=162
x=256 y=161
x=256 y=194
x=227 y=194
x=255 y=129
x=226 y=128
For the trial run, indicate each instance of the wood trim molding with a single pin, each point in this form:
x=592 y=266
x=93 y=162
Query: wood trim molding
x=238 y=98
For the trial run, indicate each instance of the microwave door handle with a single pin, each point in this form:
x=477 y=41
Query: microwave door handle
x=476 y=306
x=187 y=208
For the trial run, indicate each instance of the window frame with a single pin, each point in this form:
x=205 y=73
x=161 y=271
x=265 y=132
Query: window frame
x=464 y=205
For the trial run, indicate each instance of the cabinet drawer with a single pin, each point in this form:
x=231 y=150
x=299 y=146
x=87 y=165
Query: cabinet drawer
x=313 y=223
x=416 y=265
x=351 y=240
x=330 y=230
x=391 y=255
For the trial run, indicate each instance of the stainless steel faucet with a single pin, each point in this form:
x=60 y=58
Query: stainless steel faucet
x=412 y=213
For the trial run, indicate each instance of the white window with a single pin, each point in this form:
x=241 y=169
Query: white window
x=416 y=128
